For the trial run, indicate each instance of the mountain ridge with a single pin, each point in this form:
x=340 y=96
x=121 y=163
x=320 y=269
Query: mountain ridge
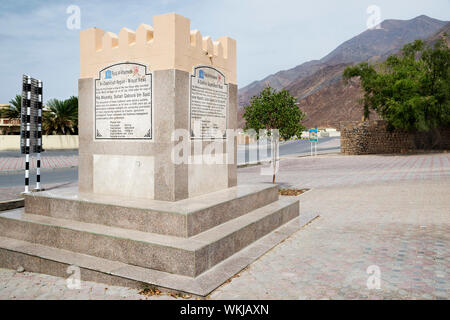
x=328 y=106
x=313 y=76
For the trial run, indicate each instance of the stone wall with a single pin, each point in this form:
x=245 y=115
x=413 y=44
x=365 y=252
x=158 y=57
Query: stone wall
x=374 y=137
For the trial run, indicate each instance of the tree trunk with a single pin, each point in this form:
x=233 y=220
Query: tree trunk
x=274 y=156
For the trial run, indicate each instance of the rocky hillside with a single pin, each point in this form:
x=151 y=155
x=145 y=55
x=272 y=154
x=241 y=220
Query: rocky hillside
x=443 y=33
x=318 y=85
x=278 y=80
x=388 y=39
x=334 y=101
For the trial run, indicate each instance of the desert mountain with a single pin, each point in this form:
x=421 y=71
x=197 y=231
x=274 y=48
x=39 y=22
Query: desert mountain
x=443 y=33
x=318 y=85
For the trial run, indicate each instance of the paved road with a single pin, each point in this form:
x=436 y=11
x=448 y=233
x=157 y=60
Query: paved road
x=11 y=185
x=47 y=177
x=389 y=213
x=13 y=161
x=58 y=167
x=249 y=154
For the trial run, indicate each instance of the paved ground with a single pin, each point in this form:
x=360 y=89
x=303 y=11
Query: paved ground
x=14 y=161
x=390 y=212
x=33 y=286
x=386 y=213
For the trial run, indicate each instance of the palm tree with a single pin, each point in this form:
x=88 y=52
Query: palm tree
x=13 y=112
x=73 y=101
x=61 y=117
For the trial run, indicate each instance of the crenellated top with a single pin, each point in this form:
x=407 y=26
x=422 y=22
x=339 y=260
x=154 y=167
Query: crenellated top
x=169 y=44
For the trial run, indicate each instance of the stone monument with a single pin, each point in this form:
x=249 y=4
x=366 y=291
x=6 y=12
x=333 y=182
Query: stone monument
x=170 y=62
x=151 y=207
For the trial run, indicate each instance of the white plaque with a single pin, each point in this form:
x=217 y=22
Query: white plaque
x=123 y=102
x=208 y=104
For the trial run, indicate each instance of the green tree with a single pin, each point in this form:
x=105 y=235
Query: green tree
x=274 y=110
x=13 y=112
x=411 y=90
x=61 y=117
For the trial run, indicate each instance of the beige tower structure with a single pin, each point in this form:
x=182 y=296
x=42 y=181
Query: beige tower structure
x=170 y=54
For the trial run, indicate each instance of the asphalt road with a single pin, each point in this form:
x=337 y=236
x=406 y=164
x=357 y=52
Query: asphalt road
x=54 y=176
x=248 y=154
x=63 y=175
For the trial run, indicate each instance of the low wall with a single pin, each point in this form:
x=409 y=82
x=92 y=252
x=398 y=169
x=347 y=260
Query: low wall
x=53 y=142
x=373 y=137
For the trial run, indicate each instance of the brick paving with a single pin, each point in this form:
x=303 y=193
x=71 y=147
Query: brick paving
x=47 y=162
x=389 y=213
x=33 y=286
x=331 y=171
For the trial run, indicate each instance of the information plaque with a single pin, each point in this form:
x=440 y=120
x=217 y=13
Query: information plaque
x=208 y=104
x=123 y=102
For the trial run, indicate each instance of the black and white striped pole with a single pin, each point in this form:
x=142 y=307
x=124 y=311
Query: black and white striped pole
x=39 y=136
x=27 y=133
x=31 y=127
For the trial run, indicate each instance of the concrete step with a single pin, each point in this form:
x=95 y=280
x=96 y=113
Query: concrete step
x=183 y=218
x=184 y=256
x=48 y=260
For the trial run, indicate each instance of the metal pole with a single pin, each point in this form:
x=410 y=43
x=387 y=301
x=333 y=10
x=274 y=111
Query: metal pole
x=27 y=144
x=246 y=149
x=39 y=146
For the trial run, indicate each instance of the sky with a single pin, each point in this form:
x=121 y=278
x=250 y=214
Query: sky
x=271 y=35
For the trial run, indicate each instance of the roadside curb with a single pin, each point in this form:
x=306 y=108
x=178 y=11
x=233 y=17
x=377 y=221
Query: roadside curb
x=250 y=164
x=12 y=204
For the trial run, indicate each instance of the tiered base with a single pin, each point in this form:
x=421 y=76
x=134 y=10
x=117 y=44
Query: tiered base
x=191 y=246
